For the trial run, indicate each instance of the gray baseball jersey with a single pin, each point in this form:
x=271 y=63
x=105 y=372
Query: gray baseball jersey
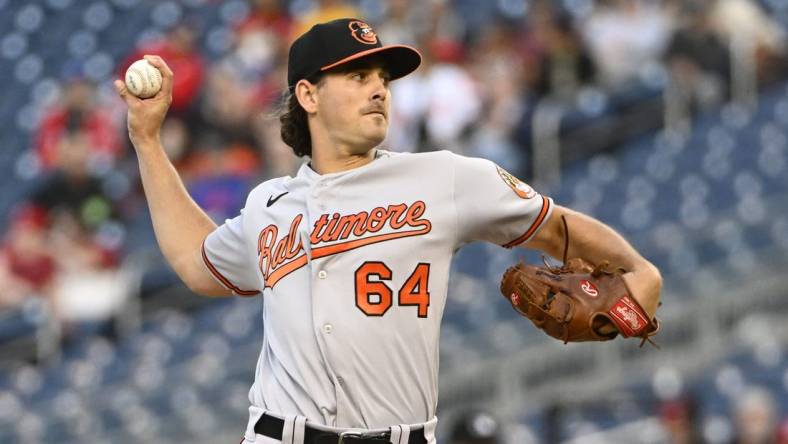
x=354 y=268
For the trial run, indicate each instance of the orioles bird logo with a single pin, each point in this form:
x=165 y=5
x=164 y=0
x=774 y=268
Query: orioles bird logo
x=520 y=188
x=363 y=32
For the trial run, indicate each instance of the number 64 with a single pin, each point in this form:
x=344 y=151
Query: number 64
x=415 y=290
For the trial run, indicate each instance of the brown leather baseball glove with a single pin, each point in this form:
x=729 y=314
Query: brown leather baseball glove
x=578 y=301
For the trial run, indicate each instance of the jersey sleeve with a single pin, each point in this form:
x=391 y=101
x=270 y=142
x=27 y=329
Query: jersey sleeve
x=493 y=205
x=226 y=254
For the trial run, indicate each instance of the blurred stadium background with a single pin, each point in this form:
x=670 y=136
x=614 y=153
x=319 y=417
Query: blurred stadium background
x=666 y=119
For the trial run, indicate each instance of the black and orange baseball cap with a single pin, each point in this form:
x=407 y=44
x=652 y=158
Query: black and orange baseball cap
x=331 y=44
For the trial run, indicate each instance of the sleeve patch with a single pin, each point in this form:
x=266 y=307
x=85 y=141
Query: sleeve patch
x=522 y=189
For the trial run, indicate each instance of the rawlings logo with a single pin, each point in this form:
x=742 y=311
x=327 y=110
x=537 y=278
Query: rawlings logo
x=630 y=317
x=589 y=288
x=363 y=32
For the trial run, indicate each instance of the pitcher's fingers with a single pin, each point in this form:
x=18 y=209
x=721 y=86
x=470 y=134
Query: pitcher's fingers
x=166 y=73
x=124 y=93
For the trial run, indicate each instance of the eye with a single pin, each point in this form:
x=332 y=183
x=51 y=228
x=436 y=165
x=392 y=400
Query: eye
x=358 y=75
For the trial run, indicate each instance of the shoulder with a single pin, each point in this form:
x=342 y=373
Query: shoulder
x=442 y=163
x=271 y=186
x=432 y=156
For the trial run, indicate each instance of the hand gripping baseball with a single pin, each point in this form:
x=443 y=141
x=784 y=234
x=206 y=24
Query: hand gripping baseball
x=578 y=301
x=145 y=116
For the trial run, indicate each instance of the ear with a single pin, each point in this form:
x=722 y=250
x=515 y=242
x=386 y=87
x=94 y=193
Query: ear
x=306 y=93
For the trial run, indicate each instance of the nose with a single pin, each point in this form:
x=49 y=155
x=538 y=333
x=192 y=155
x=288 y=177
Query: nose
x=379 y=89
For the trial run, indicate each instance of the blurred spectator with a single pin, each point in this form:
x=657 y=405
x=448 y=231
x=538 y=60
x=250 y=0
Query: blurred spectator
x=450 y=97
x=78 y=111
x=88 y=285
x=406 y=22
x=27 y=260
x=246 y=84
x=408 y=104
x=697 y=58
x=475 y=428
x=625 y=36
x=755 y=417
x=435 y=107
x=744 y=25
x=267 y=15
x=445 y=24
x=566 y=65
x=782 y=433
x=218 y=176
x=276 y=157
x=260 y=45
x=325 y=10
x=71 y=186
x=241 y=85
x=84 y=227
x=681 y=420
x=179 y=49
x=498 y=69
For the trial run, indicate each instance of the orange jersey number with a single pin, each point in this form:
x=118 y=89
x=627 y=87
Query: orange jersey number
x=415 y=290
x=374 y=297
x=365 y=288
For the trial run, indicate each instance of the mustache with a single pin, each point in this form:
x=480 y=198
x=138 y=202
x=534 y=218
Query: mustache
x=374 y=108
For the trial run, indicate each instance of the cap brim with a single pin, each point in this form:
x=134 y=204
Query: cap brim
x=400 y=60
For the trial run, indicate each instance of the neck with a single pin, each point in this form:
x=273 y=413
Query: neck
x=335 y=162
x=329 y=156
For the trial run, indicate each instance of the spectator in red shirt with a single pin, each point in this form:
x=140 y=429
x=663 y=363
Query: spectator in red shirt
x=179 y=50
x=267 y=15
x=78 y=110
x=27 y=264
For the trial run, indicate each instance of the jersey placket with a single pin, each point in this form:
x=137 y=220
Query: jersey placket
x=317 y=202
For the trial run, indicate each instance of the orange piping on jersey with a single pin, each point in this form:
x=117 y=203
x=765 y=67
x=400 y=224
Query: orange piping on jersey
x=278 y=257
x=284 y=270
x=341 y=247
x=534 y=226
x=226 y=282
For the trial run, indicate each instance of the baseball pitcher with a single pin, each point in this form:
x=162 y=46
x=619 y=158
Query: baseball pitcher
x=351 y=256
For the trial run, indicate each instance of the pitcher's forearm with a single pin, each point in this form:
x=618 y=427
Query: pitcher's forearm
x=594 y=241
x=179 y=223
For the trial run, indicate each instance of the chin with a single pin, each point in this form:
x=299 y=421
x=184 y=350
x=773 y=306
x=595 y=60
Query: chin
x=367 y=145
x=374 y=138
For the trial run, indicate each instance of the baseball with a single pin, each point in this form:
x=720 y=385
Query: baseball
x=143 y=79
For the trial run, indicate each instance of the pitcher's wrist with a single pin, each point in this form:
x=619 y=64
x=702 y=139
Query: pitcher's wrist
x=145 y=142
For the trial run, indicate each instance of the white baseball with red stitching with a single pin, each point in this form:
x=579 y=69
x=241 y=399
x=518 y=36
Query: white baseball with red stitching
x=143 y=79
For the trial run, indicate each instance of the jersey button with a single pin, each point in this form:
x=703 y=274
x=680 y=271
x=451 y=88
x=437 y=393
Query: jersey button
x=328 y=328
x=322 y=274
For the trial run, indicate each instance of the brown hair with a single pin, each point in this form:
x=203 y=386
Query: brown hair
x=295 y=127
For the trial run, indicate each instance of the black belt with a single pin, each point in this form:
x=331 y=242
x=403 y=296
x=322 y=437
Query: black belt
x=272 y=427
